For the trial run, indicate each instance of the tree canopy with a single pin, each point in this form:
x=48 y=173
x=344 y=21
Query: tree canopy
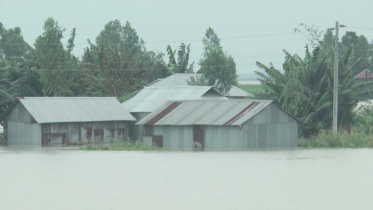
x=218 y=68
x=305 y=86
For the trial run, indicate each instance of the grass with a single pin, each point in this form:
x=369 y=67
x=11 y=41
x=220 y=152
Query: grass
x=325 y=139
x=255 y=90
x=120 y=145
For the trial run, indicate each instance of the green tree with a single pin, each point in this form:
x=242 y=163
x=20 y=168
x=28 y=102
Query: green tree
x=179 y=65
x=18 y=74
x=14 y=51
x=58 y=67
x=119 y=63
x=362 y=51
x=217 y=67
x=305 y=87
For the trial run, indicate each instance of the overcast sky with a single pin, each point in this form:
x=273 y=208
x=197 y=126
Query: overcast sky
x=249 y=30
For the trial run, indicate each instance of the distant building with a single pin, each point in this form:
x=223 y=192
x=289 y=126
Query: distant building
x=223 y=124
x=150 y=98
x=364 y=75
x=188 y=78
x=65 y=121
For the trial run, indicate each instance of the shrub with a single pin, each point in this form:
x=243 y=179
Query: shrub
x=346 y=139
x=122 y=145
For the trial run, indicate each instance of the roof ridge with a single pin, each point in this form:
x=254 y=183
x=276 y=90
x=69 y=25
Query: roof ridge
x=46 y=97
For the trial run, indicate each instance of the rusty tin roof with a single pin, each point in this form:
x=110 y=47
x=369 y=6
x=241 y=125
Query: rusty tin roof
x=205 y=112
x=366 y=74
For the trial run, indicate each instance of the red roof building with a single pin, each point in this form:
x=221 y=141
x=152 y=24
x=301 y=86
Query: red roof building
x=366 y=74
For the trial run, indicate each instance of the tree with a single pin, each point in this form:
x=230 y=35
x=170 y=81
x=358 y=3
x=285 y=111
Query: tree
x=14 y=51
x=119 y=63
x=179 y=65
x=362 y=51
x=17 y=68
x=305 y=87
x=217 y=67
x=58 y=67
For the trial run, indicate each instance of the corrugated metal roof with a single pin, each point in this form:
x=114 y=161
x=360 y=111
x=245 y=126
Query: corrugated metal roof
x=183 y=79
x=75 y=109
x=206 y=112
x=150 y=98
x=238 y=92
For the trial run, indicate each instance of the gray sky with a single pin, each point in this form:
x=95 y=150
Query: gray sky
x=239 y=23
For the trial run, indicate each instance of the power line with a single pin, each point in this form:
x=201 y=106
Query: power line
x=172 y=41
x=236 y=37
x=98 y=69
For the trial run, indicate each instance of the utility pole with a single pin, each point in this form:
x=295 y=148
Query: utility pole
x=336 y=83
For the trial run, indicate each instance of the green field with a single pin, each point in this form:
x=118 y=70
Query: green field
x=255 y=90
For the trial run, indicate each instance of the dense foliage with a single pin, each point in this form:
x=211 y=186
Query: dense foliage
x=217 y=67
x=305 y=86
x=116 y=64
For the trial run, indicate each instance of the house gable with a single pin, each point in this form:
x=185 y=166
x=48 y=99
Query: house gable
x=19 y=113
x=271 y=114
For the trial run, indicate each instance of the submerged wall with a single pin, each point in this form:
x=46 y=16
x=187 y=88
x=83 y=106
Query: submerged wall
x=83 y=133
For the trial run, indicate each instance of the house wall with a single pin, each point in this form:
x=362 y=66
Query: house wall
x=136 y=131
x=19 y=114
x=20 y=133
x=270 y=128
x=21 y=128
x=273 y=128
x=174 y=137
x=83 y=133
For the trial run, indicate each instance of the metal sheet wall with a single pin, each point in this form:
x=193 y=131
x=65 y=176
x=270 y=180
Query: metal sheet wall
x=176 y=137
x=272 y=128
x=136 y=131
x=20 y=133
x=19 y=114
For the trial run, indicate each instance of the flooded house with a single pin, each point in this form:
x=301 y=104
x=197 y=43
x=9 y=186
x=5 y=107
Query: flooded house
x=220 y=124
x=65 y=121
x=185 y=79
x=150 y=98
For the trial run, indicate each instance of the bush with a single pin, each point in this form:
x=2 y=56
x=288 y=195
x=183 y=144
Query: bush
x=345 y=139
x=122 y=145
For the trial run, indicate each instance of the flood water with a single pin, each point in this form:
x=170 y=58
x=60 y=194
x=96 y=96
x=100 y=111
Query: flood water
x=61 y=179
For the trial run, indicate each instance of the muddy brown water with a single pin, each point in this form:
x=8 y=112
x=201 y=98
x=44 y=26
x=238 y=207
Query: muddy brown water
x=61 y=179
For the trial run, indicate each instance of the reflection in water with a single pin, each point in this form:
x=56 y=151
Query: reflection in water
x=67 y=178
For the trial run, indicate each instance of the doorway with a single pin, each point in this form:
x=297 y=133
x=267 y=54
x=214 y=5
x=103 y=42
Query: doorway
x=198 y=137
